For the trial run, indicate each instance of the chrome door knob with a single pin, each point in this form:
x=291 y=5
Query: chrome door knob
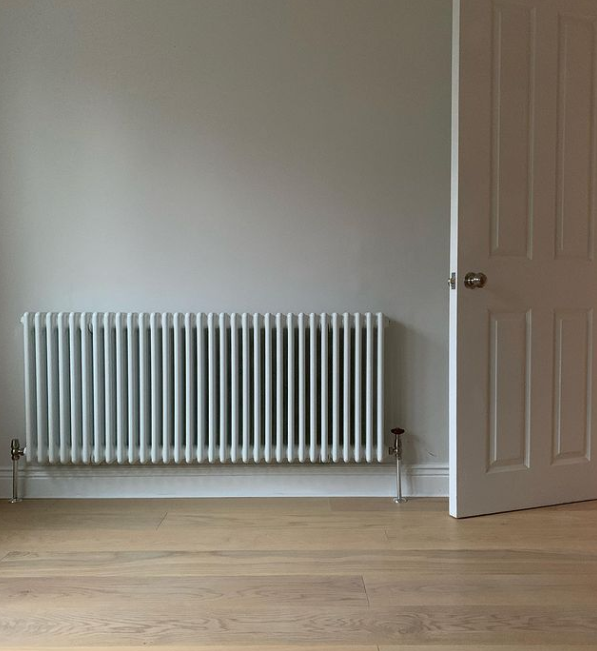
x=475 y=280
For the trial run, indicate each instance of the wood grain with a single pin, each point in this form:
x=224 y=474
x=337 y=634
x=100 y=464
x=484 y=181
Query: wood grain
x=484 y=647
x=196 y=539
x=260 y=563
x=227 y=647
x=480 y=589
x=296 y=575
x=374 y=504
x=297 y=626
x=219 y=505
x=204 y=592
x=78 y=523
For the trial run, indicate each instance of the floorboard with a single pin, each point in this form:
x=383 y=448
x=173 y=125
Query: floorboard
x=297 y=574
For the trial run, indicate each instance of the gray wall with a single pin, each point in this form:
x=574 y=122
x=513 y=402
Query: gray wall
x=230 y=155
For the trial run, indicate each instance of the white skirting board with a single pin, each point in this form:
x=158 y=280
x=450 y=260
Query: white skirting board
x=224 y=481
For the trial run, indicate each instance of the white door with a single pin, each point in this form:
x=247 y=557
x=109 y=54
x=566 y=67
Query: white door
x=523 y=389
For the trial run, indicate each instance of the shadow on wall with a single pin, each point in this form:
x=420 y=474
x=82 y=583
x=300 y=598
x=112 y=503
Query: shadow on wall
x=410 y=358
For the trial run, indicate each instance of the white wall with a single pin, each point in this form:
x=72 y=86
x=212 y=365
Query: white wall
x=219 y=155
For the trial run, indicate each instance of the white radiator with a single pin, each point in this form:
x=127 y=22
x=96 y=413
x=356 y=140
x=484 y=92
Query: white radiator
x=196 y=388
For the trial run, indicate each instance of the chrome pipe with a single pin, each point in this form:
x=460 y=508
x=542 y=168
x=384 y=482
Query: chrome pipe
x=397 y=452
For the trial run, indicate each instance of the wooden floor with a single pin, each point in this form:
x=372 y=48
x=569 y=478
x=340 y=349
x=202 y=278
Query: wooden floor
x=308 y=574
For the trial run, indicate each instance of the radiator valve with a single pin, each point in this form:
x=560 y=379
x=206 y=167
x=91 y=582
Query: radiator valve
x=396 y=451
x=16 y=452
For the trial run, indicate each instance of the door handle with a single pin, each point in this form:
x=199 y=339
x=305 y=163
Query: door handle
x=475 y=280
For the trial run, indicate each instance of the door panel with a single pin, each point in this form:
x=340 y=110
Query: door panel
x=509 y=400
x=572 y=384
x=512 y=129
x=575 y=199
x=522 y=349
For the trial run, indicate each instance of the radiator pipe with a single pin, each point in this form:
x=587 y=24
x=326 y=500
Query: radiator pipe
x=16 y=452
x=397 y=452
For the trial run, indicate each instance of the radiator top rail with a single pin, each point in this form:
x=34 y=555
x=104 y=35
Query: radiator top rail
x=28 y=315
